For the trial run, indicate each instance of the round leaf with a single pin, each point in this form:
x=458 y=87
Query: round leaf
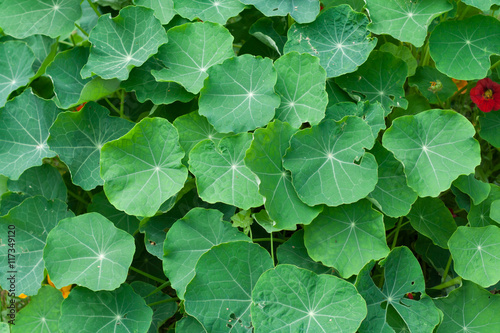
x=142 y=169
x=302 y=11
x=90 y=251
x=479 y=215
x=338 y=52
x=164 y=9
x=207 y=10
x=43 y=180
x=239 y=94
x=490 y=128
x=435 y=147
x=477 y=190
x=290 y=299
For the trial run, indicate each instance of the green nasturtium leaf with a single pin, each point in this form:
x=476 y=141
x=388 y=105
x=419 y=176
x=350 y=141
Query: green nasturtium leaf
x=239 y=94
x=433 y=84
x=302 y=11
x=164 y=9
x=143 y=168
x=391 y=194
x=372 y=114
x=33 y=219
x=265 y=30
x=189 y=324
x=403 y=53
x=479 y=214
x=24 y=18
x=44 y=180
x=475 y=254
x=116 y=48
x=101 y=205
x=403 y=275
x=219 y=295
x=187 y=62
x=462 y=49
x=189 y=238
x=380 y=79
x=335 y=93
x=221 y=175
x=10 y=200
x=490 y=128
x=338 y=52
x=469 y=308
x=90 y=251
x=477 y=190
x=495 y=211
x=208 y=10
x=41 y=314
x=265 y=159
x=24 y=128
x=431 y=218
x=329 y=164
x=484 y=5
x=301 y=86
x=15 y=67
x=347 y=237
x=405 y=20
x=120 y=310
x=435 y=147
x=291 y=299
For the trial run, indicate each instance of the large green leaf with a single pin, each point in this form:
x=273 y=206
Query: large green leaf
x=290 y=299
x=302 y=11
x=43 y=180
x=329 y=164
x=477 y=190
x=239 y=94
x=265 y=159
x=347 y=237
x=120 y=310
x=219 y=295
x=116 y=48
x=484 y=5
x=301 y=86
x=15 y=67
x=469 y=308
x=405 y=20
x=490 y=128
x=403 y=275
x=221 y=175
x=338 y=52
x=33 y=219
x=208 y=10
x=187 y=62
x=143 y=168
x=164 y=9
x=53 y=18
x=90 y=251
x=41 y=314
x=24 y=128
x=479 y=215
x=380 y=79
x=190 y=237
x=435 y=147
x=433 y=84
x=475 y=254
x=462 y=49
x=391 y=194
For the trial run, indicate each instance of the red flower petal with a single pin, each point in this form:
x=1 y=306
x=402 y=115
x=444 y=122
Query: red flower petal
x=486 y=95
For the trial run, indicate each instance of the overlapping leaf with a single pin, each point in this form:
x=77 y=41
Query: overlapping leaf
x=43 y=180
x=164 y=9
x=302 y=11
x=484 y=5
x=476 y=189
x=402 y=52
x=479 y=215
x=490 y=127
x=372 y=114
x=434 y=85
x=207 y=10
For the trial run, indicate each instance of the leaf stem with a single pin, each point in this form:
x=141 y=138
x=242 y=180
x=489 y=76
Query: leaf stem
x=122 y=102
x=166 y=284
x=72 y=40
x=94 y=8
x=152 y=277
x=447 y=269
x=112 y=106
x=449 y=283
x=398 y=227
x=495 y=65
x=272 y=247
x=82 y=30
x=269 y=240
x=174 y=299
x=427 y=55
x=77 y=197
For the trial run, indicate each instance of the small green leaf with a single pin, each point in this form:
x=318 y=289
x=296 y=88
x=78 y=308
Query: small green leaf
x=264 y=29
x=101 y=205
x=479 y=215
x=476 y=189
x=239 y=94
x=10 y=200
x=207 y=10
x=164 y=9
x=434 y=85
x=490 y=128
x=402 y=52
x=90 y=251
x=302 y=11
x=495 y=211
x=43 y=180
x=484 y=5
x=372 y=114
x=338 y=52
x=189 y=324
x=475 y=254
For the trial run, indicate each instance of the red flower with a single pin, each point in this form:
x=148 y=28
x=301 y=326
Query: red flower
x=486 y=95
x=79 y=107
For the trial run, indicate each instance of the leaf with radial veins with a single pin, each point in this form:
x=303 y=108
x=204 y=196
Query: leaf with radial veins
x=24 y=128
x=475 y=253
x=218 y=11
x=290 y=299
x=143 y=168
x=403 y=275
x=380 y=79
x=479 y=215
x=220 y=293
x=121 y=310
x=90 y=251
x=164 y=9
x=42 y=180
x=405 y=20
x=15 y=67
x=301 y=86
x=347 y=237
x=490 y=127
x=53 y=18
x=462 y=49
x=116 y=48
x=187 y=62
x=190 y=237
x=372 y=114
x=79 y=145
x=329 y=164
x=435 y=147
x=391 y=194
x=33 y=219
x=238 y=95
x=265 y=159
x=302 y=11
x=221 y=175
x=325 y=38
